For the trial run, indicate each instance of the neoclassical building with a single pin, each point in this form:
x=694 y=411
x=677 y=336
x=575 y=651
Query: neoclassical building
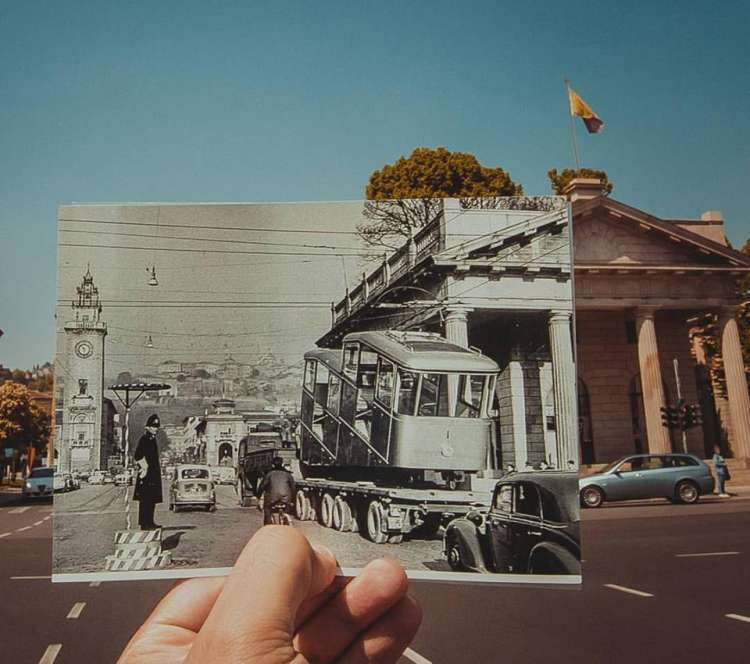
x=500 y=280
x=641 y=284
x=496 y=277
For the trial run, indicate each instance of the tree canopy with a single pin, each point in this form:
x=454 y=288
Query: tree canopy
x=560 y=180
x=22 y=422
x=402 y=196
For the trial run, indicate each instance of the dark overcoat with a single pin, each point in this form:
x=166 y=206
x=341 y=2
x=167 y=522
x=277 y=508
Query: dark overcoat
x=148 y=487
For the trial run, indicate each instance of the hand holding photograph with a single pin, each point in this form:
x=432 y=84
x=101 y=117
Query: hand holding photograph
x=388 y=377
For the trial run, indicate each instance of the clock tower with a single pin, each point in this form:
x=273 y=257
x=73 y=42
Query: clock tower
x=83 y=447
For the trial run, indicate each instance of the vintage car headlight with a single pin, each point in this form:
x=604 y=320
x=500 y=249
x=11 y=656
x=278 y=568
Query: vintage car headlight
x=28 y=485
x=475 y=517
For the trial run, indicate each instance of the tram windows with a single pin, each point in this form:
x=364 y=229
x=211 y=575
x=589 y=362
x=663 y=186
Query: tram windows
x=470 y=388
x=309 y=382
x=351 y=358
x=334 y=388
x=408 y=383
x=321 y=384
x=368 y=364
x=384 y=392
x=433 y=397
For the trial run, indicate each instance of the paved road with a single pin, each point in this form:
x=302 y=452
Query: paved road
x=86 y=520
x=659 y=584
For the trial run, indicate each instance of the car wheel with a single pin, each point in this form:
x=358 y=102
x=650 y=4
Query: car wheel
x=554 y=562
x=453 y=553
x=687 y=492
x=592 y=496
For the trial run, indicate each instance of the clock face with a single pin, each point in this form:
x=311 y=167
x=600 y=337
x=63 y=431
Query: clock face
x=84 y=349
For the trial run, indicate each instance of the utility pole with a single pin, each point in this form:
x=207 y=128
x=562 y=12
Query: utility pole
x=680 y=405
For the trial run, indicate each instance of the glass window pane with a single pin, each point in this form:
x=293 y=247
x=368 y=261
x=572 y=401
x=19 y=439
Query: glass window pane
x=407 y=393
x=385 y=383
x=333 y=394
x=310 y=375
x=528 y=500
x=504 y=499
x=351 y=356
x=470 y=389
x=368 y=362
x=433 y=400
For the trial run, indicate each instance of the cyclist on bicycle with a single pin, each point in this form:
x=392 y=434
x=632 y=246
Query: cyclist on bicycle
x=276 y=488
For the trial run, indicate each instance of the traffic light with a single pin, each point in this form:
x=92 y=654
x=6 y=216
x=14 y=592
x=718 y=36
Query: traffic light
x=693 y=416
x=669 y=417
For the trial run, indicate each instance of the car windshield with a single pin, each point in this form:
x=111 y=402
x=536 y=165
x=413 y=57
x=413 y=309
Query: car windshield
x=42 y=472
x=610 y=467
x=195 y=474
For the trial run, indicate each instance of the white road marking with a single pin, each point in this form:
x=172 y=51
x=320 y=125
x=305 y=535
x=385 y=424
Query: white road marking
x=415 y=657
x=38 y=523
x=50 y=655
x=700 y=555
x=95 y=584
x=20 y=530
x=4 y=535
x=19 y=510
x=737 y=616
x=76 y=610
x=625 y=589
x=28 y=578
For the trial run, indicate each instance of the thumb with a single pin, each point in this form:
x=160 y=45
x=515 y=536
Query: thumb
x=254 y=617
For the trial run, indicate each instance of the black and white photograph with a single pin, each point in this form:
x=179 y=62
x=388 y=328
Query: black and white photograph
x=390 y=377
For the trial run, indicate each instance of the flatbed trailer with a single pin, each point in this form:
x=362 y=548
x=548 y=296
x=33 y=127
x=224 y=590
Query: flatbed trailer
x=383 y=513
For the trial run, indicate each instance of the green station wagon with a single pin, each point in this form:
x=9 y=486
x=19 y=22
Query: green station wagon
x=681 y=478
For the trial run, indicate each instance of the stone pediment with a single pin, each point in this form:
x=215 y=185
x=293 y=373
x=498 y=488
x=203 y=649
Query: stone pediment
x=607 y=232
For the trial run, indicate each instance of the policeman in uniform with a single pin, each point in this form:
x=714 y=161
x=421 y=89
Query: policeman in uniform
x=148 y=483
x=277 y=487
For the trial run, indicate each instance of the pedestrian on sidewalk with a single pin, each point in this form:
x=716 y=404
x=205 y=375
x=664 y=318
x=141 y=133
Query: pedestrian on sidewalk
x=722 y=472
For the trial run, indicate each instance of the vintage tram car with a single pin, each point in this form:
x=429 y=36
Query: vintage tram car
x=396 y=408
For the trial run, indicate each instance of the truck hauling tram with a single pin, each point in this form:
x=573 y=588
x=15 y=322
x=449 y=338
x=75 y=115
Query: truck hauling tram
x=392 y=424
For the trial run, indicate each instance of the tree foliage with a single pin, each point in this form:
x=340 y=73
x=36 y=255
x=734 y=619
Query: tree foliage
x=22 y=422
x=402 y=196
x=560 y=180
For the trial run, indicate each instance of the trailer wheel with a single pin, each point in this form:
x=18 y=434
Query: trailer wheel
x=342 y=515
x=326 y=510
x=376 y=522
x=302 y=506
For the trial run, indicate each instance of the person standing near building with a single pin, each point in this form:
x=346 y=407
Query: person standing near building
x=148 y=483
x=722 y=472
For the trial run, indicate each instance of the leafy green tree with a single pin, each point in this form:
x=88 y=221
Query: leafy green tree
x=402 y=196
x=560 y=180
x=22 y=422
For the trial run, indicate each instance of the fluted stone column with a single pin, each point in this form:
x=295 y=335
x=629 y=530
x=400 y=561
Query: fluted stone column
x=564 y=387
x=652 y=386
x=457 y=326
x=734 y=371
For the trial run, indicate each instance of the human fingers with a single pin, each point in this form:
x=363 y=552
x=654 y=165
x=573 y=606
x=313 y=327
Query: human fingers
x=312 y=604
x=385 y=641
x=254 y=616
x=380 y=586
x=174 y=622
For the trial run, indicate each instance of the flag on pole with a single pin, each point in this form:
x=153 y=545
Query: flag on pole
x=580 y=108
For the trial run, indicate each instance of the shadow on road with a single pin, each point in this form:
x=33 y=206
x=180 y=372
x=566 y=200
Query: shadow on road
x=172 y=541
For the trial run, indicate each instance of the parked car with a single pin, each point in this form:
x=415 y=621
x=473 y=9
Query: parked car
x=109 y=478
x=224 y=474
x=125 y=477
x=71 y=482
x=97 y=477
x=192 y=486
x=59 y=483
x=681 y=478
x=531 y=527
x=39 y=484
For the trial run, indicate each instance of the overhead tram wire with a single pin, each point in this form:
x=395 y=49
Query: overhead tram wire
x=222 y=240
x=208 y=251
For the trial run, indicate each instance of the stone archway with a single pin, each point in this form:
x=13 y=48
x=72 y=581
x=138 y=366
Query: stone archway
x=226 y=454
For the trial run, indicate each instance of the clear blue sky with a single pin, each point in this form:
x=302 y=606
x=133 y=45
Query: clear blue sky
x=216 y=101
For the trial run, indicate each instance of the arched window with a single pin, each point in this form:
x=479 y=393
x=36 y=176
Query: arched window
x=585 y=430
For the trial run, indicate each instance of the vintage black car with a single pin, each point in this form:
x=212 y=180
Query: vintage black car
x=532 y=527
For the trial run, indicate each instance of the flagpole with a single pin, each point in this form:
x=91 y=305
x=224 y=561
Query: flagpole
x=573 y=128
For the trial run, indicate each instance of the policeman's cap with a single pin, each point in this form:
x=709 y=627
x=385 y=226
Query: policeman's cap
x=153 y=421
